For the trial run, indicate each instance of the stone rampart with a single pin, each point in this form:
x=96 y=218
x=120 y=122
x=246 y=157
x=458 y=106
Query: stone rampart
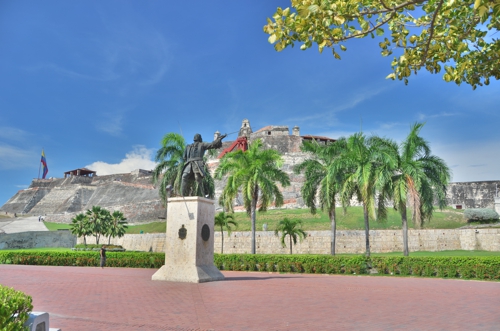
x=348 y=241
x=473 y=194
x=37 y=239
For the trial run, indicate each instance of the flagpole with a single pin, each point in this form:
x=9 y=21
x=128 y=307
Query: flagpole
x=39 y=166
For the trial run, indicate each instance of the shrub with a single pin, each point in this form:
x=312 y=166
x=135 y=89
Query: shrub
x=481 y=215
x=14 y=309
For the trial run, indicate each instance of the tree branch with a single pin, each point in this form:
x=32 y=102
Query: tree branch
x=431 y=32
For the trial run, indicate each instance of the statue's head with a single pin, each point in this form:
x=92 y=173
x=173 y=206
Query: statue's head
x=197 y=138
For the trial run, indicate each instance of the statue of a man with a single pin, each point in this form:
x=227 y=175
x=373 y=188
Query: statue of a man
x=194 y=166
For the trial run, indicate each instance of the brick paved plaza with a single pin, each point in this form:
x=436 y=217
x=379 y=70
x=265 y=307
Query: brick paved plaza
x=80 y=298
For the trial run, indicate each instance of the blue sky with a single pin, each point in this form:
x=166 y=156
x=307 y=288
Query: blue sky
x=98 y=83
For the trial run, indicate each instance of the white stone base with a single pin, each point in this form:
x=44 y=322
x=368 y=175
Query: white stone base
x=189 y=254
x=188 y=274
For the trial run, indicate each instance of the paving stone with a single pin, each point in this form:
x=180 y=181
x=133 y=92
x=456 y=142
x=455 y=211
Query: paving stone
x=80 y=298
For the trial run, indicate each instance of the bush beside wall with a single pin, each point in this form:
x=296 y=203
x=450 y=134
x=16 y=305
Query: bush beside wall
x=481 y=215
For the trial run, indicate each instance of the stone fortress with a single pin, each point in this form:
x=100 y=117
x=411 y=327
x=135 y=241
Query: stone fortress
x=60 y=199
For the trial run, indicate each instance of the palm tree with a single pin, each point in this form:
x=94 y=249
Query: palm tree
x=419 y=181
x=290 y=228
x=367 y=163
x=170 y=165
x=80 y=227
x=224 y=221
x=98 y=221
x=322 y=178
x=117 y=225
x=255 y=172
x=168 y=172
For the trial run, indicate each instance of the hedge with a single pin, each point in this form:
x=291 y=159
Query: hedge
x=14 y=309
x=486 y=268
x=83 y=258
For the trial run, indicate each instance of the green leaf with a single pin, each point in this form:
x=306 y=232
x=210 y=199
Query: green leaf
x=272 y=38
x=380 y=32
x=477 y=3
x=391 y=76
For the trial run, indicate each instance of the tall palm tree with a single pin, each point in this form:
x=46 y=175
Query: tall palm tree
x=256 y=172
x=290 y=228
x=322 y=179
x=117 y=225
x=170 y=164
x=80 y=227
x=168 y=172
x=224 y=221
x=367 y=162
x=419 y=181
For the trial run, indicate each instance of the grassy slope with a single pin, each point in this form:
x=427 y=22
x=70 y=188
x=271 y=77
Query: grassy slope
x=352 y=220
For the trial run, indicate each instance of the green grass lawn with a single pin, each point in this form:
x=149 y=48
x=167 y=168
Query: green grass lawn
x=351 y=220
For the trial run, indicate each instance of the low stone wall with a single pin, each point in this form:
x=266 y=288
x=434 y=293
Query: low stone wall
x=37 y=239
x=318 y=242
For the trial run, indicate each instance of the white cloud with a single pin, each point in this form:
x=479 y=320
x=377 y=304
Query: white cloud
x=12 y=157
x=139 y=158
x=13 y=133
x=328 y=117
x=111 y=123
x=423 y=117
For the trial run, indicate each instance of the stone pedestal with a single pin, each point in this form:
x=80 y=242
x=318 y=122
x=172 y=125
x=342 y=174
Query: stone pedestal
x=189 y=244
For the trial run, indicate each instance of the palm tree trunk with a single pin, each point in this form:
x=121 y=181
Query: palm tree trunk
x=85 y=241
x=253 y=210
x=334 y=231
x=109 y=240
x=367 y=229
x=222 y=240
x=406 y=252
x=290 y=245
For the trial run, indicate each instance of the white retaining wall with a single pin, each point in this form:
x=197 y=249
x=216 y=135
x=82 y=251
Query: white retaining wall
x=318 y=242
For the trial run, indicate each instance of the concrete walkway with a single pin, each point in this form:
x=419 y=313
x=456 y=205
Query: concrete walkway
x=79 y=298
x=21 y=224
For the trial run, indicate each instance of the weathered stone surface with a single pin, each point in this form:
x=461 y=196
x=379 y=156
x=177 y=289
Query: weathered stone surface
x=189 y=244
x=37 y=239
x=348 y=241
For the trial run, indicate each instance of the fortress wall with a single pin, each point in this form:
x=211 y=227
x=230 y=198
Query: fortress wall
x=140 y=212
x=37 y=239
x=54 y=200
x=473 y=194
x=118 y=193
x=24 y=200
x=318 y=242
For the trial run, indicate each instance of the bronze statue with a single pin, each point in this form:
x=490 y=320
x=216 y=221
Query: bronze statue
x=194 y=165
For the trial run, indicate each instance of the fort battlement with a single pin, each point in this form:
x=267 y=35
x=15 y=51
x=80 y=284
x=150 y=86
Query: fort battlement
x=60 y=199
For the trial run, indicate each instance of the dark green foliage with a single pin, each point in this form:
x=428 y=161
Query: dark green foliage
x=481 y=215
x=83 y=258
x=486 y=268
x=14 y=309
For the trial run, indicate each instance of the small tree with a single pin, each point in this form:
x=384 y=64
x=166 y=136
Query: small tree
x=80 y=227
x=98 y=221
x=291 y=228
x=224 y=221
x=117 y=225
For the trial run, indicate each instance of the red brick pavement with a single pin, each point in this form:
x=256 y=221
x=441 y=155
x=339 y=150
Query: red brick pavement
x=127 y=299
